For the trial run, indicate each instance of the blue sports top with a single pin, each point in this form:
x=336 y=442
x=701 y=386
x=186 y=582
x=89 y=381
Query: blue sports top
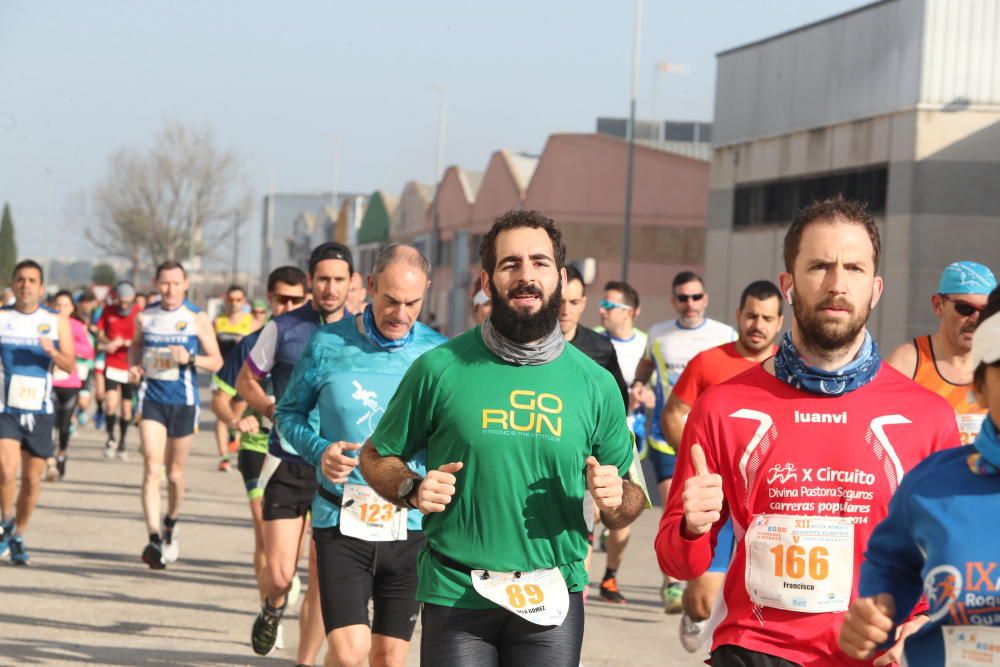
x=350 y=380
x=939 y=540
x=25 y=368
x=278 y=347
x=164 y=381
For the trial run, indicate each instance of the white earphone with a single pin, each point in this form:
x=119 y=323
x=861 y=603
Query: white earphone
x=788 y=296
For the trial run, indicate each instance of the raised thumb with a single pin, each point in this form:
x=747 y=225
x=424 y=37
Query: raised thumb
x=453 y=467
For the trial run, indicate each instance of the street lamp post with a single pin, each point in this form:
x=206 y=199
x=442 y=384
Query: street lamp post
x=631 y=139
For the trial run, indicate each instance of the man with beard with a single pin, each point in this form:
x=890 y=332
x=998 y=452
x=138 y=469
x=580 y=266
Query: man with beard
x=942 y=361
x=803 y=452
x=509 y=464
x=758 y=320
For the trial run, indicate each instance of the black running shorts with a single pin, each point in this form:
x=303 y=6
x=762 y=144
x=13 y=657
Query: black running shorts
x=32 y=431
x=289 y=491
x=180 y=420
x=736 y=656
x=453 y=637
x=250 y=464
x=353 y=571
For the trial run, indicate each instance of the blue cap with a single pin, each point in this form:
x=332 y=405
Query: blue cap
x=967 y=278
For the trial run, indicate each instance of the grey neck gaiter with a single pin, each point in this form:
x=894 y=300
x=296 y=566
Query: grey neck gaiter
x=526 y=354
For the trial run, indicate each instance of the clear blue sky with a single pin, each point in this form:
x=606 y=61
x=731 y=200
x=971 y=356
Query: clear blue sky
x=282 y=83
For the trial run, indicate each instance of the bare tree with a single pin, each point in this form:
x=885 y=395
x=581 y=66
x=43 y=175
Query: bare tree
x=176 y=200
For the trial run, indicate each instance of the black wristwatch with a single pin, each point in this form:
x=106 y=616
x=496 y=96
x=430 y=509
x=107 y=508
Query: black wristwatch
x=407 y=489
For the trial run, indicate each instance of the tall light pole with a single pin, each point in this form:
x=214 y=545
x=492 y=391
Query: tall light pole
x=636 y=31
x=438 y=166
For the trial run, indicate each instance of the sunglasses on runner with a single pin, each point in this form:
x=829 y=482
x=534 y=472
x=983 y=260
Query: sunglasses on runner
x=286 y=299
x=611 y=305
x=684 y=298
x=963 y=308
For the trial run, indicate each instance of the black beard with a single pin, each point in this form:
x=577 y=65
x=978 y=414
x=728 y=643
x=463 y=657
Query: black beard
x=521 y=327
x=825 y=338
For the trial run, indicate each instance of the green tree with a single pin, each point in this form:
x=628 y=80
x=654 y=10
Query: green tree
x=8 y=246
x=103 y=274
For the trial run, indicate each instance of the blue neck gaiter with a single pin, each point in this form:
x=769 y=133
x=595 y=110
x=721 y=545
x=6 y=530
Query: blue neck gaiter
x=986 y=460
x=376 y=338
x=789 y=367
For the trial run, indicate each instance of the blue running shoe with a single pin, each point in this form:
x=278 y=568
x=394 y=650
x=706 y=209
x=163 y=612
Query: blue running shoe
x=99 y=420
x=6 y=532
x=18 y=555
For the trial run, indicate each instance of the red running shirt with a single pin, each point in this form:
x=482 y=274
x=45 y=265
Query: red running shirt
x=792 y=455
x=115 y=325
x=709 y=368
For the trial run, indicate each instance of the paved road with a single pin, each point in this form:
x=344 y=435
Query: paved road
x=88 y=599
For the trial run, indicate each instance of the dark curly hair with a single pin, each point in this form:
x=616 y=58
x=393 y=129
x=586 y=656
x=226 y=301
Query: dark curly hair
x=516 y=220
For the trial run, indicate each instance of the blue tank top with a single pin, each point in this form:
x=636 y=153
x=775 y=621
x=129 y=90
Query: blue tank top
x=25 y=368
x=163 y=380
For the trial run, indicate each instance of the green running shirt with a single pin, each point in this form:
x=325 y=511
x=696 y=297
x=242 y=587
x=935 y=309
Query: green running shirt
x=523 y=433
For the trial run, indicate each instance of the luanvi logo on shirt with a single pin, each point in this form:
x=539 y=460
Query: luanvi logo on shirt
x=820 y=417
x=529 y=412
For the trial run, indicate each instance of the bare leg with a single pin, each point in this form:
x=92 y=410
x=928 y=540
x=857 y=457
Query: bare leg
x=10 y=461
x=154 y=443
x=310 y=616
x=176 y=458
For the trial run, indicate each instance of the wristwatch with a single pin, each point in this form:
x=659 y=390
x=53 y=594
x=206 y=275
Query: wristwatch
x=407 y=489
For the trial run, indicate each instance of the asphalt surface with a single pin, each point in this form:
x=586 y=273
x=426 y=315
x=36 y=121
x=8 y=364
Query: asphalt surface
x=87 y=598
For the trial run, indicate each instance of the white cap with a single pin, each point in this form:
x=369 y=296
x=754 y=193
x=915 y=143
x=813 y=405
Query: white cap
x=986 y=341
x=480 y=299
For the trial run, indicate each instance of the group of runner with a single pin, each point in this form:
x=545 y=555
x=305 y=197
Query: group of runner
x=459 y=480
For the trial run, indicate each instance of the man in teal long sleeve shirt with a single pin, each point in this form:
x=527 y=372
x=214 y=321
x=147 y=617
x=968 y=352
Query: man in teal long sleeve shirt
x=366 y=546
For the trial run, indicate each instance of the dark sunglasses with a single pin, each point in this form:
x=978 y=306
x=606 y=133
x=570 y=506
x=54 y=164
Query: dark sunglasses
x=684 y=298
x=963 y=308
x=285 y=299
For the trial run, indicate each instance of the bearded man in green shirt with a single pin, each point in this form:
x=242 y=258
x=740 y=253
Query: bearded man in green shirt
x=517 y=426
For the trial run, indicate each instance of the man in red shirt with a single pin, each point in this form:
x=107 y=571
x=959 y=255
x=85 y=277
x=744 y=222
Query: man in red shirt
x=115 y=330
x=803 y=452
x=758 y=320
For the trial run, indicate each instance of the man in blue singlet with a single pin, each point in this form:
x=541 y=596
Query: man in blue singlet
x=32 y=339
x=349 y=371
x=173 y=339
x=290 y=489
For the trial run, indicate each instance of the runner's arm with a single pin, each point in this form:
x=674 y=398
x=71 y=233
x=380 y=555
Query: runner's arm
x=135 y=349
x=385 y=473
x=64 y=356
x=222 y=408
x=255 y=368
x=211 y=361
x=300 y=398
x=674 y=415
x=678 y=555
x=633 y=503
x=904 y=359
x=644 y=371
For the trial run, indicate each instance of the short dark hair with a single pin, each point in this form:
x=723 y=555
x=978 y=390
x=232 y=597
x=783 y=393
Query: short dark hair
x=628 y=292
x=290 y=275
x=831 y=210
x=762 y=290
x=235 y=288
x=991 y=309
x=63 y=292
x=87 y=295
x=330 y=250
x=573 y=273
x=685 y=277
x=29 y=264
x=169 y=265
x=516 y=220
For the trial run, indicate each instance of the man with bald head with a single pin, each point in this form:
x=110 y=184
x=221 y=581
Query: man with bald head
x=349 y=371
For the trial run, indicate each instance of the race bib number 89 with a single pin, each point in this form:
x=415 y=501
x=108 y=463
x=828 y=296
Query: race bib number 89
x=540 y=596
x=800 y=563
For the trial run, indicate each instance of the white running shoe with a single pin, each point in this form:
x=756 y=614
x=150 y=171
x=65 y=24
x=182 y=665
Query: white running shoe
x=692 y=633
x=109 y=449
x=171 y=548
x=294 y=592
x=279 y=640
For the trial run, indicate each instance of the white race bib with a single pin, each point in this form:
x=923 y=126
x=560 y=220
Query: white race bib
x=800 y=563
x=540 y=596
x=971 y=646
x=26 y=392
x=116 y=375
x=969 y=426
x=368 y=516
x=159 y=364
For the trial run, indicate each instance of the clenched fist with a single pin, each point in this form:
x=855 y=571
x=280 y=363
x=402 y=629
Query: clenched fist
x=437 y=488
x=702 y=496
x=336 y=465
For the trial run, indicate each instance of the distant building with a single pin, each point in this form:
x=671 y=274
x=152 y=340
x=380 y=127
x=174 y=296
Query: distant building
x=293 y=223
x=690 y=138
x=896 y=103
